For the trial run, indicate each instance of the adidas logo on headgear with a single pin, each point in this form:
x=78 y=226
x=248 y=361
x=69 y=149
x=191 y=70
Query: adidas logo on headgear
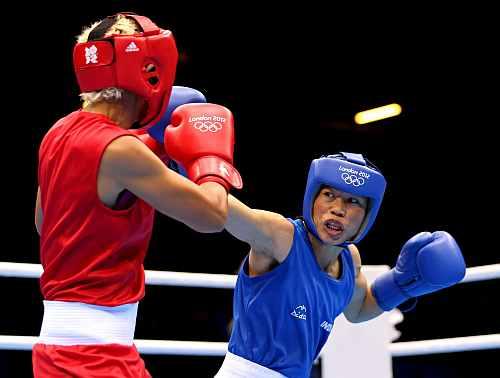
x=131 y=47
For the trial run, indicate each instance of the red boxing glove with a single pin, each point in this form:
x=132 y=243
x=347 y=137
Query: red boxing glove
x=152 y=144
x=201 y=138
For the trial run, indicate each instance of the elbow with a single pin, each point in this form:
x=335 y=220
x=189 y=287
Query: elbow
x=213 y=212
x=216 y=222
x=362 y=317
x=218 y=217
x=209 y=228
x=353 y=319
x=357 y=320
x=220 y=223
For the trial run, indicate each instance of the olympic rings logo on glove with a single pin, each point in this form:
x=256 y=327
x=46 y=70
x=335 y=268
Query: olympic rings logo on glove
x=352 y=179
x=205 y=126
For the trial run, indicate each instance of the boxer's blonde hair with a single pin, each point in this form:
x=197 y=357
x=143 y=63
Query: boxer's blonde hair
x=122 y=25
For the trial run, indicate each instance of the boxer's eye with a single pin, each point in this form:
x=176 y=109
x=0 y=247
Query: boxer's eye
x=329 y=194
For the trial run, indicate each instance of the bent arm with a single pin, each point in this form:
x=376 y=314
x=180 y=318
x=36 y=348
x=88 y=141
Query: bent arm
x=134 y=167
x=363 y=305
x=38 y=212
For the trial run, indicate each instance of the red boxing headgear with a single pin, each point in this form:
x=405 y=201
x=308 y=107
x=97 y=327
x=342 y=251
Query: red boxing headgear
x=143 y=63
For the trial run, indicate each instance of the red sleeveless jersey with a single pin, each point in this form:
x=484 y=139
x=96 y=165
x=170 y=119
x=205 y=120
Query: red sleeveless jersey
x=89 y=252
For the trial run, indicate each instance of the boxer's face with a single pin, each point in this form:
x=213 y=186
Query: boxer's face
x=338 y=215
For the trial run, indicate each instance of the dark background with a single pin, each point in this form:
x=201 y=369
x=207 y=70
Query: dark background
x=293 y=78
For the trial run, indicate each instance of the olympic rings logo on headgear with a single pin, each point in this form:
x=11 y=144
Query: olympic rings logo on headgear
x=352 y=179
x=205 y=126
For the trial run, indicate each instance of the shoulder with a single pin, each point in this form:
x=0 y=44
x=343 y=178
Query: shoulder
x=275 y=249
x=123 y=143
x=126 y=153
x=280 y=233
x=125 y=146
x=281 y=223
x=284 y=233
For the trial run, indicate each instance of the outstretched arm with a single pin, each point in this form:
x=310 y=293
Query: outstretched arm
x=129 y=164
x=363 y=305
x=207 y=158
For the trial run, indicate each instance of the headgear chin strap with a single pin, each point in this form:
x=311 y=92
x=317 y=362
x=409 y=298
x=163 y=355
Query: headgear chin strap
x=349 y=173
x=143 y=63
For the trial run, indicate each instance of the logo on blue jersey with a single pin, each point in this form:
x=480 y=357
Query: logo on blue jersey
x=326 y=326
x=299 y=312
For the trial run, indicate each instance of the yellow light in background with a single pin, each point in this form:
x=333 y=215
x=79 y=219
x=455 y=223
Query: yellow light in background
x=377 y=114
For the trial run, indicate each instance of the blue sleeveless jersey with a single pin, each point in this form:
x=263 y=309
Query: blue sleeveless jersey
x=283 y=318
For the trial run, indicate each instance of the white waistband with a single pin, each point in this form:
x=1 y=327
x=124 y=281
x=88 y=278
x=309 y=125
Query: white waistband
x=75 y=323
x=238 y=367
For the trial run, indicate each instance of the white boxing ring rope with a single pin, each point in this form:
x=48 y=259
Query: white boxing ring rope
x=455 y=344
x=199 y=348
x=153 y=277
x=219 y=281
x=166 y=347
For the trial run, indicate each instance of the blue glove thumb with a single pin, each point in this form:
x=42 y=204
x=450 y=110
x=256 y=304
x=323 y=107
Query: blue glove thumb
x=179 y=96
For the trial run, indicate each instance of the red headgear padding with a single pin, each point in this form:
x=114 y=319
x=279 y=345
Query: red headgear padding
x=143 y=63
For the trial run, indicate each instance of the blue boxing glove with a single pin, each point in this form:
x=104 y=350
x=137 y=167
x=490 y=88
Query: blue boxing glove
x=178 y=97
x=427 y=263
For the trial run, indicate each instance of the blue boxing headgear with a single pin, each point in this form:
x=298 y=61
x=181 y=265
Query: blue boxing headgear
x=349 y=173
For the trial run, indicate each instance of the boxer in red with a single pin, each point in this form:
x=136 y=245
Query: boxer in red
x=99 y=184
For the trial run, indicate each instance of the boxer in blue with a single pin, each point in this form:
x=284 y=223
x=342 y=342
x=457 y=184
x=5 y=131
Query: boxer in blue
x=301 y=274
